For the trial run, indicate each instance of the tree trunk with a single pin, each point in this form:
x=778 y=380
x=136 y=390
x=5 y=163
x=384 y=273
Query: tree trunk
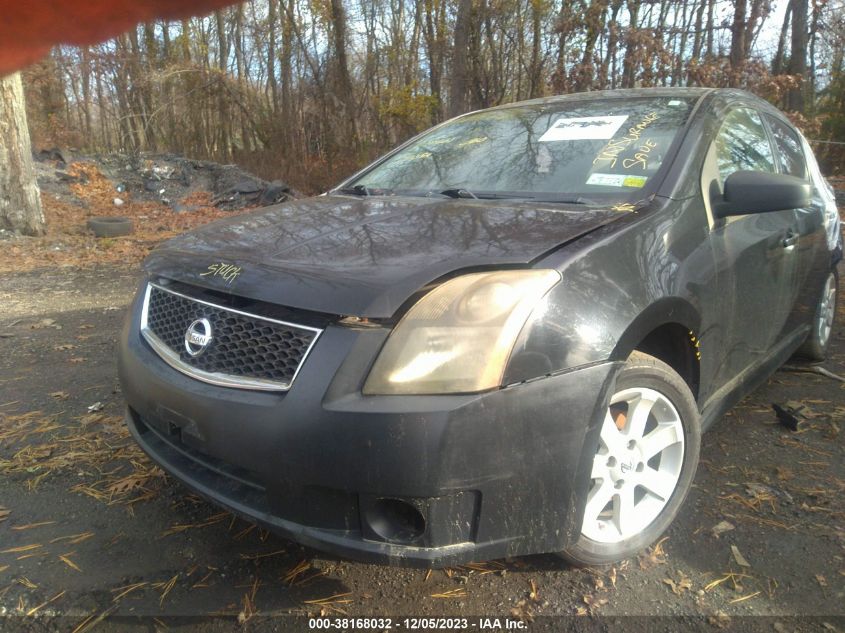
x=798 y=56
x=738 y=47
x=459 y=87
x=777 y=63
x=20 y=201
x=629 y=65
x=343 y=80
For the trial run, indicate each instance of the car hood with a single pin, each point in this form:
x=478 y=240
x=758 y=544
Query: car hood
x=364 y=256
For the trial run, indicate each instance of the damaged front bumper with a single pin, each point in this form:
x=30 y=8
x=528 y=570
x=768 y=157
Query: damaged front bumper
x=418 y=480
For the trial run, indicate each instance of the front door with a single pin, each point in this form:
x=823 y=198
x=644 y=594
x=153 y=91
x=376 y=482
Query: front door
x=755 y=253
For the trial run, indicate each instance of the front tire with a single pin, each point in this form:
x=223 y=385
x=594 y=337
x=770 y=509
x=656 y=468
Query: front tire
x=644 y=465
x=815 y=347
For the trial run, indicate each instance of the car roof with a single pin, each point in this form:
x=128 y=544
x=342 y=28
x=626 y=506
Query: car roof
x=684 y=92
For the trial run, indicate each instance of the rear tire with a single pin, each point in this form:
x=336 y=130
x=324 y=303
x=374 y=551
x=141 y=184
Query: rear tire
x=815 y=347
x=644 y=465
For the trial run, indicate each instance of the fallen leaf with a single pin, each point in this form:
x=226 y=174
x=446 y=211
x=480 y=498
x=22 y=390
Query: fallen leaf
x=821 y=580
x=721 y=528
x=60 y=395
x=77 y=359
x=45 y=323
x=683 y=584
x=739 y=558
x=64 y=347
x=127 y=484
x=4 y=514
x=720 y=620
x=654 y=555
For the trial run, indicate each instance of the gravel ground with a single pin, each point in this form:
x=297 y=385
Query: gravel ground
x=92 y=536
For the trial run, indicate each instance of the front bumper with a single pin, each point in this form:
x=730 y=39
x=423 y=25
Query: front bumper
x=493 y=475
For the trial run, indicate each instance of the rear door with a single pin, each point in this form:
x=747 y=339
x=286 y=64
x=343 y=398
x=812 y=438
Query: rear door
x=810 y=252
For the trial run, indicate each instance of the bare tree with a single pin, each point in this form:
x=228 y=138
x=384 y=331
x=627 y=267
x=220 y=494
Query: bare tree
x=20 y=200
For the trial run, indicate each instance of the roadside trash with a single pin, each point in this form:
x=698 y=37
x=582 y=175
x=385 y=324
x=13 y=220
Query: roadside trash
x=120 y=187
x=739 y=558
x=118 y=202
x=721 y=528
x=792 y=415
x=109 y=226
x=97 y=406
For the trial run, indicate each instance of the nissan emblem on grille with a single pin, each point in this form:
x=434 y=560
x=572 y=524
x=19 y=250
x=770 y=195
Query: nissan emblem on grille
x=198 y=337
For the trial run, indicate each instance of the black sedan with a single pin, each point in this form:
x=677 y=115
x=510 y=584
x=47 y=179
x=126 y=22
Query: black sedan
x=504 y=337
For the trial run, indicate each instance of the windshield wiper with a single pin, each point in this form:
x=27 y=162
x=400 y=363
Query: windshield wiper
x=356 y=190
x=567 y=200
x=363 y=190
x=458 y=193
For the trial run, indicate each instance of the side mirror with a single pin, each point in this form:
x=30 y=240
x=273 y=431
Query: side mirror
x=761 y=192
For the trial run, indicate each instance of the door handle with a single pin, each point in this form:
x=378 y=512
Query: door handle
x=790 y=240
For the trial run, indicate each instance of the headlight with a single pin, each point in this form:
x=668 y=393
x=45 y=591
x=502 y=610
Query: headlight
x=458 y=337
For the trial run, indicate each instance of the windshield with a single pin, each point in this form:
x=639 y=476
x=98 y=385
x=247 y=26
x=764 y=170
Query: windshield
x=586 y=151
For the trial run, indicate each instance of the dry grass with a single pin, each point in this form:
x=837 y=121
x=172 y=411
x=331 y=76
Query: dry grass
x=40 y=447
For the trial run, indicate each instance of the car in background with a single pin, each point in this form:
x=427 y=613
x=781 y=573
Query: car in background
x=504 y=337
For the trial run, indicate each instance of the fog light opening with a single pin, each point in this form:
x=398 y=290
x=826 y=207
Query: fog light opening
x=395 y=520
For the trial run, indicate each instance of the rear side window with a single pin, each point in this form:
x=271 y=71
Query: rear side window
x=788 y=148
x=742 y=144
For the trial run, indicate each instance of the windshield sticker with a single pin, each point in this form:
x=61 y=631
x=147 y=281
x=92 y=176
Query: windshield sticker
x=583 y=128
x=617 y=180
x=608 y=180
x=611 y=151
x=634 y=181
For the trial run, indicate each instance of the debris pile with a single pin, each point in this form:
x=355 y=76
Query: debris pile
x=164 y=178
x=157 y=195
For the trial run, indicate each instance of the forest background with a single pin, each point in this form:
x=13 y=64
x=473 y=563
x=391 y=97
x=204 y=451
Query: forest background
x=308 y=91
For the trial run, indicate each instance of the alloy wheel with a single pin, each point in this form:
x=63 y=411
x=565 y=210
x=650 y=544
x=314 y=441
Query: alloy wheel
x=826 y=311
x=637 y=466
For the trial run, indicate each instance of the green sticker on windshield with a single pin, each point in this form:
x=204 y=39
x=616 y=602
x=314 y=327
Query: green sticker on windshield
x=634 y=181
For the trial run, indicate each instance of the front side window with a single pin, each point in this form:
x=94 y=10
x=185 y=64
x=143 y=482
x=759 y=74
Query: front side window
x=788 y=147
x=742 y=144
x=602 y=150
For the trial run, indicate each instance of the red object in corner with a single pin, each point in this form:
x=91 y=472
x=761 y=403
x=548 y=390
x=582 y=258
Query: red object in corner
x=28 y=30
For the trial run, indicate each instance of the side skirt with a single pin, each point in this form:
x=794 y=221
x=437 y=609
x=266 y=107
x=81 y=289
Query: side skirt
x=750 y=378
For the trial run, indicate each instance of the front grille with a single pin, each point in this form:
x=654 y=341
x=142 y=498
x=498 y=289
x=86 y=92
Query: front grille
x=246 y=350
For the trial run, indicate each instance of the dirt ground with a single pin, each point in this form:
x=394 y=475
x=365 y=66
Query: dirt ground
x=92 y=536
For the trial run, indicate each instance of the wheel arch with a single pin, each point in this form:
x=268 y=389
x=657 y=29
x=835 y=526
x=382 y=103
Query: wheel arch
x=667 y=329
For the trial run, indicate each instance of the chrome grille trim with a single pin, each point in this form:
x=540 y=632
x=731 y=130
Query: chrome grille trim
x=215 y=378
